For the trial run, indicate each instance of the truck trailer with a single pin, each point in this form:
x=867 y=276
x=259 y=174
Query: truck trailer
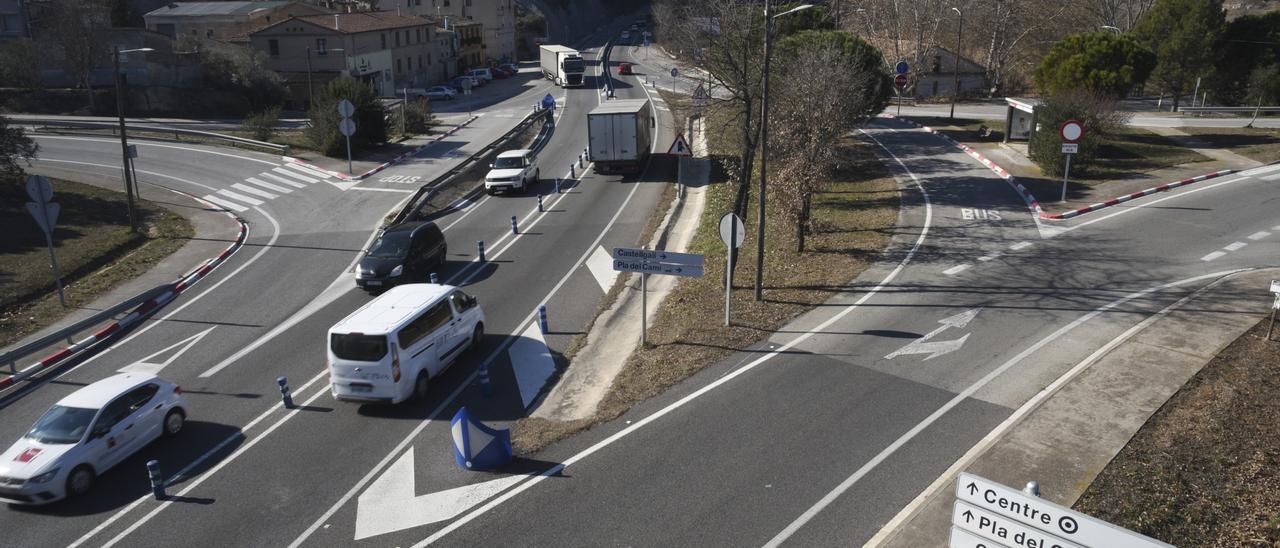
x=620 y=135
x=562 y=65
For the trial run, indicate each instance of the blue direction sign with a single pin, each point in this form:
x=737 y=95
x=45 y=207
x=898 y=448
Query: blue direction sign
x=656 y=256
x=674 y=72
x=651 y=267
x=902 y=67
x=548 y=101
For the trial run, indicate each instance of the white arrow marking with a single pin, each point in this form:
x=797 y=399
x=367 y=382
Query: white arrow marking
x=389 y=504
x=146 y=366
x=938 y=348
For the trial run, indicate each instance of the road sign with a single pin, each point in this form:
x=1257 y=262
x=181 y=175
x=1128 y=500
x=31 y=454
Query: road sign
x=674 y=72
x=39 y=189
x=902 y=67
x=964 y=539
x=1070 y=148
x=900 y=81
x=347 y=127
x=133 y=151
x=656 y=256
x=1275 y=286
x=739 y=230
x=1002 y=529
x=548 y=101
x=700 y=96
x=680 y=147
x=345 y=108
x=46 y=215
x=1010 y=505
x=662 y=269
x=1071 y=131
x=646 y=42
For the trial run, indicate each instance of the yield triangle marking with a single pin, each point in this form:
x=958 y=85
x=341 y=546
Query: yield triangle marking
x=145 y=365
x=390 y=504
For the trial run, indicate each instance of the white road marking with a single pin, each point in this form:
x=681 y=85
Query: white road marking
x=144 y=143
x=601 y=266
x=531 y=362
x=1260 y=171
x=1270 y=177
x=1144 y=204
x=955 y=269
x=280 y=179
x=1020 y=245
x=1259 y=235
x=1212 y=256
x=254 y=191
x=226 y=204
x=268 y=186
x=295 y=175
x=398 y=190
x=1235 y=246
x=995 y=255
x=154 y=368
x=241 y=197
x=308 y=170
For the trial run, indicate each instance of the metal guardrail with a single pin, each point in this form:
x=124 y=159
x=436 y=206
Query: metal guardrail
x=11 y=357
x=1241 y=110
x=114 y=126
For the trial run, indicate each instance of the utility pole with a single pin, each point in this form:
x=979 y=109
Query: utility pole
x=764 y=151
x=310 y=90
x=955 y=67
x=124 y=141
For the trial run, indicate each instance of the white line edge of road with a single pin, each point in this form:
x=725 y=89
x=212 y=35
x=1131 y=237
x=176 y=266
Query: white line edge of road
x=1036 y=401
x=1138 y=207
x=146 y=143
x=924 y=232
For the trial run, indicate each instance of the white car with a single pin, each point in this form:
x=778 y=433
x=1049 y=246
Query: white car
x=512 y=170
x=86 y=433
x=440 y=92
x=480 y=74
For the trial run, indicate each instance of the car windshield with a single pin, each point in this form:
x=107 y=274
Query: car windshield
x=62 y=425
x=507 y=163
x=573 y=64
x=390 y=246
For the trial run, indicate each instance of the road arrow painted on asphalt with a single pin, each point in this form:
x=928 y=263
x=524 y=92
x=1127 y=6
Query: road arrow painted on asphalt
x=389 y=504
x=145 y=365
x=938 y=348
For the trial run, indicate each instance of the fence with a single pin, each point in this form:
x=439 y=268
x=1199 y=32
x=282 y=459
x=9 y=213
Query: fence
x=40 y=124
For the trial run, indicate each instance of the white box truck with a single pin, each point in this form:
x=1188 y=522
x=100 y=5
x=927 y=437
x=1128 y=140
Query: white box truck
x=562 y=65
x=620 y=135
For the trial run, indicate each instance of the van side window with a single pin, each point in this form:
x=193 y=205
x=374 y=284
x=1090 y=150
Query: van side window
x=460 y=301
x=424 y=325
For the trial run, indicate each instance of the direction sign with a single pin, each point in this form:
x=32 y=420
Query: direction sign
x=133 y=151
x=674 y=72
x=345 y=108
x=680 y=147
x=647 y=267
x=1275 y=286
x=900 y=81
x=657 y=256
x=46 y=216
x=347 y=127
x=902 y=67
x=1001 y=529
x=1071 y=131
x=731 y=221
x=964 y=539
x=1010 y=505
x=1070 y=148
x=39 y=189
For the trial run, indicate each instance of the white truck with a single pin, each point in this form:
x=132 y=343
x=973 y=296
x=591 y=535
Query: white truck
x=620 y=135
x=562 y=65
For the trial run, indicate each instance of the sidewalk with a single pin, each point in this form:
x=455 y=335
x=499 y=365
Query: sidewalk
x=1066 y=435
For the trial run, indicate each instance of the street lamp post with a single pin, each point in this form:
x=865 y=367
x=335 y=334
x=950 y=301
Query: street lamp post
x=764 y=140
x=955 y=63
x=124 y=140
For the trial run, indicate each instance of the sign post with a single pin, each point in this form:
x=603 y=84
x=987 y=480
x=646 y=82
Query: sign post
x=1071 y=132
x=347 y=126
x=662 y=263
x=732 y=232
x=900 y=81
x=1275 y=304
x=46 y=215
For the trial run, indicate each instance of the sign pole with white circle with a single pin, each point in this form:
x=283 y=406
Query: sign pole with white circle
x=1071 y=131
x=732 y=232
x=346 y=126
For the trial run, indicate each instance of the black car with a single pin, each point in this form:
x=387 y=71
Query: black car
x=404 y=253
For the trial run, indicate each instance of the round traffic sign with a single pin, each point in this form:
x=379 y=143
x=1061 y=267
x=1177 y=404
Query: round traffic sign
x=739 y=232
x=347 y=127
x=345 y=108
x=674 y=72
x=902 y=67
x=1071 y=131
x=900 y=81
x=39 y=189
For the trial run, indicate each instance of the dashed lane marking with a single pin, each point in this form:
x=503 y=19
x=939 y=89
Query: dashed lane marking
x=955 y=269
x=1259 y=235
x=1212 y=256
x=1235 y=246
x=1020 y=245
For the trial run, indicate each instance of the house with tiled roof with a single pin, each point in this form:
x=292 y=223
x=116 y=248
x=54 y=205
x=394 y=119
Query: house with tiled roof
x=223 y=20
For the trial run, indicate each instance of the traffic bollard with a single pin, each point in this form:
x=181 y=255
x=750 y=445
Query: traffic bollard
x=157 y=482
x=434 y=278
x=542 y=318
x=480 y=250
x=486 y=385
x=557 y=185
x=571 y=173
x=514 y=228
x=581 y=160
x=539 y=203
x=284 y=392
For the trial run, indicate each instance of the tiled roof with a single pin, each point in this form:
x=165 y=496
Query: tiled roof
x=195 y=9
x=350 y=23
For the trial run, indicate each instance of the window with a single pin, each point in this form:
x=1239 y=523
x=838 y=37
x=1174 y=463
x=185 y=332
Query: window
x=383 y=36
x=418 y=34
x=461 y=301
x=398 y=66
x=419 y=61
x=273 y=47
x=138 y=397
x=397 y=33
x=321 y=46
x=426 y=324
x=357 y=347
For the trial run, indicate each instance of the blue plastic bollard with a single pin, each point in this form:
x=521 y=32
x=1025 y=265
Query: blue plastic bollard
x=539 y=203
x=486 y=386
x=514 y=228
x=571 y=173
x=480 y=250
x=434 y=278
x=284 y=392
x=542 y=318
x=557 y=185
x=157 y=482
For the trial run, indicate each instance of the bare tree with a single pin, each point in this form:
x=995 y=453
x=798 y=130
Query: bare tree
x=1122 y=14
x=1008 y=26
x=904 y=30
x=78 y=29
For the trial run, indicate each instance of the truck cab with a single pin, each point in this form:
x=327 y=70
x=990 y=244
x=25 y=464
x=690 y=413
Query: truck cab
x=512 y=170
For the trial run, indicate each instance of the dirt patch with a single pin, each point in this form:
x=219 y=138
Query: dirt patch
x=1205 y=469
x=1261 y=144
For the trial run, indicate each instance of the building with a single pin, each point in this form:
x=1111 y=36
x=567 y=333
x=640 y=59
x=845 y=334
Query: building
x=222 y=20
x=497 y=19
x=938 y=77
x=471 y=53
x=13 y=20
x=384 y=49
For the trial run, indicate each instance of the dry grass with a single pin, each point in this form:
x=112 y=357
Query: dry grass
x=1261 y=144
x=1205 y=469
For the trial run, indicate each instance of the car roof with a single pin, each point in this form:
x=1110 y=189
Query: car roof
x=515 y=153
x=99 y=394
x=385 y=313
x=410 y=227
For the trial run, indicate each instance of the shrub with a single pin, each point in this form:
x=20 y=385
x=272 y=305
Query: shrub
x=262 y=124
x=370 y=117
x=1100 y=118
x=418 y=119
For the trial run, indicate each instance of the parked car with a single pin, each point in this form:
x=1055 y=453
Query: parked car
x=464 y=82
x=482 y=74
x=512 y=170
x=440 y=92
x=500 y=73
x=510 y=67
x=403 y=253
x=625 y=68
x=86 y=433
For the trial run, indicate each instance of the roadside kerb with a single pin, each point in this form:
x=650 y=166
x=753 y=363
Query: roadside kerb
x=1030 y=199
x=154 y=300
x=384 y=165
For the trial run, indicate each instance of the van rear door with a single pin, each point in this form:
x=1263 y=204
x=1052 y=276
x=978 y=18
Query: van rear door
x=360 y=358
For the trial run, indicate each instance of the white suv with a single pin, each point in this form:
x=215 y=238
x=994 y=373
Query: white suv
x=511 y=170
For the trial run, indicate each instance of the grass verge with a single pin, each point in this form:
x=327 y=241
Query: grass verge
x=1205 y=469
x=1261 y=144
x=95 y=250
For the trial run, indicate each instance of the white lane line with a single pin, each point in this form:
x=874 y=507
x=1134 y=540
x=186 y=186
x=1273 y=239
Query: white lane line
x=1140 y=206
x=268 y=186
x=1212 y=256
x=985 y=443
x=955 y=269
x=397 y=190
x=995 y=255
x=144 y=143
x=296 y=175
x=1020 y=245
x=1235 y=246
x=241 y=197
x=226 y=204
x=1270 y=177
x=1259 y=235
x=924 y=232
x=1260 y=171
x=308 y=170
x=254 y=191
x=280 y=179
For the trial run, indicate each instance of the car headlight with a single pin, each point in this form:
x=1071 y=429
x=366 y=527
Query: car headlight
x=398 y=270
x=42 y=478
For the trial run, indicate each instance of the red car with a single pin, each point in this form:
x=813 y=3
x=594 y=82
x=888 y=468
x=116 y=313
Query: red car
x=625 y=68
x=500 y=73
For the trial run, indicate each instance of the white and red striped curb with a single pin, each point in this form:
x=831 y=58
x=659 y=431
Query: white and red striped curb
x=145 y=309
x=384 y=165
x=1031 y=199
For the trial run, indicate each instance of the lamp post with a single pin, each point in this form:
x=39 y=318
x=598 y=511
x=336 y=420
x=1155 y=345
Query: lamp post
x=764 y=139
x=124 y=140
x=955 y=63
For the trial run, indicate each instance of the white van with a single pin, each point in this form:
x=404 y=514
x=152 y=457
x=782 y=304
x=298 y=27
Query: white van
x=388 y=351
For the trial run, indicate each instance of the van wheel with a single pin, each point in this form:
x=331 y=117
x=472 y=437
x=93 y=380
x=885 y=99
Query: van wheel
x=79 y=480
x=477 y=336
x=173 y=422
x=420 y=386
